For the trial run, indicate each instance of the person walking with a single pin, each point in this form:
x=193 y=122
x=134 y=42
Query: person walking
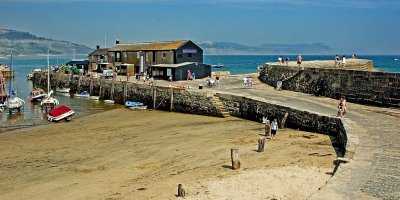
x=193 y=76
x=344 y=61
x=299 y=59
x=189 y=75
x=337 y=61
x=274 y=128
x=280 y=60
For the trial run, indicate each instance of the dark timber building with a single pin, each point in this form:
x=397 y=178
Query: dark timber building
x=159 y=59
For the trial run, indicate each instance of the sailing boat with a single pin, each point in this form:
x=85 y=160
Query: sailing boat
x=13 y=103
x=49 y=102
x=3 y=95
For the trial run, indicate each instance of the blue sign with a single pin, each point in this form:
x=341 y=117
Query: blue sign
x=189 y=50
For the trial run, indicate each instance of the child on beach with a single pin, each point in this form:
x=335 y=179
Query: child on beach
x=274 y=127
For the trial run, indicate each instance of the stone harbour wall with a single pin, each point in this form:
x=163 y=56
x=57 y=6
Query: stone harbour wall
x=183 y=101
x=201 y=103
x=373 y=88
x=256 y=109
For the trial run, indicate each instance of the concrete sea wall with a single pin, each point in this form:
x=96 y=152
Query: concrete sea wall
x=374 y=88
x=202 y=103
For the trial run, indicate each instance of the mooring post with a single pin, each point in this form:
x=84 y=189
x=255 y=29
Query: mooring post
x=125 y=91
x=284 y=120
x=101 y=88
x=261 y=144
x=79 y=84
x=154 y=97
x=91 y=86
x=268 y=129
x=235 y=158
x=112 y=89
x=171 y=106
x=181 y=191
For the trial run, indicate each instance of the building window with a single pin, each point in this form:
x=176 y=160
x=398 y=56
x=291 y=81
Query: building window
x=118 y=56
x=189 y=55
x=164 y=55
x=138 y=54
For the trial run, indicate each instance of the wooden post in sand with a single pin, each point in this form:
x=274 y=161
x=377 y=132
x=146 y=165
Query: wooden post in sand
x=267 y=129
x=91 y=86
x=261 y=144
x=125 y=91
x=181 y=191
x=171 y=106
x=112 y=89
x=101 y=88
x=284 y=120
x=154 y=97
x=235 y=158
x=79 y=84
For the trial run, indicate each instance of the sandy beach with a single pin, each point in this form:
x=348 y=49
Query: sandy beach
x=124 y=154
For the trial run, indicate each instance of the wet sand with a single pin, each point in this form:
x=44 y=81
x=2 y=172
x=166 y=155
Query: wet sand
x=124 y=154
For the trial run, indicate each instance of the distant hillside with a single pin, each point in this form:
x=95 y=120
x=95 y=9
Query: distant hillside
x=231 y=48
x=24 y=43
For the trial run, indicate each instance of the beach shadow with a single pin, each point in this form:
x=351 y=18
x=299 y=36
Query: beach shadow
x=227 y=166
x=338 y=151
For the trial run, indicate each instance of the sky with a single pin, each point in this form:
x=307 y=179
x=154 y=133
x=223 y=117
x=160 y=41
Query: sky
x=348 y=26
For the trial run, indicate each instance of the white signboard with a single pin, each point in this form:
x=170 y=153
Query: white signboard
x=189 y=50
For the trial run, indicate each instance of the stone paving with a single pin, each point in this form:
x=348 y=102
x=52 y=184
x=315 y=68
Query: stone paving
x=374 y=171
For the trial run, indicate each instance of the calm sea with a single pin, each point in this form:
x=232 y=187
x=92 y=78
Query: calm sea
x=32 y=114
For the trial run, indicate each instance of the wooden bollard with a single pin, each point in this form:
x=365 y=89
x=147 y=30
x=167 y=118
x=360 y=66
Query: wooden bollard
x=79 y=84
x=125 y=91
x=112 y=89
x=154 y=97
x=261 y=144
x=235 y=158
x=101 y=88
x=267 y=128
x=181 y=191
x=91 y=86
x=284 y=120
x=171 y=106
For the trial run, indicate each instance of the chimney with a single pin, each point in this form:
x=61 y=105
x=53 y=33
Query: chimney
x=97 y=46
x=117 y=41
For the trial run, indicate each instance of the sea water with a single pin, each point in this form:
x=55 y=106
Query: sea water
x=242 y=64
x=32 y=114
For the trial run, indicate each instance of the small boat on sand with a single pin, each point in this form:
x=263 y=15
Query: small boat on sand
x=37 y=95
x=62 y=90
x=94 y=97
x=59 y=113
x=133 y=105
x=109 y=101
x=84 y=94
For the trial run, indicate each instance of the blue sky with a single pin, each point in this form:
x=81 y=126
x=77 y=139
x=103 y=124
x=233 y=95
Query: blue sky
x=359 y=26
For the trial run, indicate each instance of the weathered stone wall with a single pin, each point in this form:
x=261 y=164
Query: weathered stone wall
x=255 y=110
x=375 y=88
x=183 y=101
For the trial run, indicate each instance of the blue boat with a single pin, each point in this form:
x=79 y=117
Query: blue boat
x=133 y=104
x=83 y=94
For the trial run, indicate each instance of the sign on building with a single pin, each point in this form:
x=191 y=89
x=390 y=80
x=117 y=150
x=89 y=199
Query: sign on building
x=189 y=50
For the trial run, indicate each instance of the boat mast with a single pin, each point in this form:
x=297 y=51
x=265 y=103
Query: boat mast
x=10 y=87
x=48 y=72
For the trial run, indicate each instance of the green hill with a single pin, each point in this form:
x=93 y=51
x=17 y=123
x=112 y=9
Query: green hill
x=24 y=43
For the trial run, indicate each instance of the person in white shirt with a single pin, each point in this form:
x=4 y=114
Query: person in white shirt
x=274 y=128
x=344 y=61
